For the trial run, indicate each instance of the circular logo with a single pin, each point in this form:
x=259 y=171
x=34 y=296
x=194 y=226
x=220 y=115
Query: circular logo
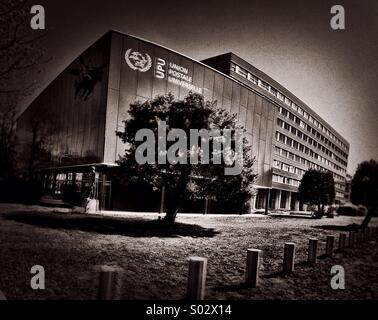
x=138 y=61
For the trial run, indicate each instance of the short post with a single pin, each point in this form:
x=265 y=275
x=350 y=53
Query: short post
x=2 y=296
x=350 y=240
x=359 y=236
x=109 y=283
x=312 y=250
x=196 y=278
x=363 y=235
x=366 y=234
x=288 y=259
x=370 y=233
x=352 y=235
x=329 y=246
x=342 y=242
x=253 y=266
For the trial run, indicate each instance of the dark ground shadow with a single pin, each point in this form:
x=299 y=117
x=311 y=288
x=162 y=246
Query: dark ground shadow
x=349 y=227
x=291 y=216
x=132 y=227
x=231 y=287
x=280 y=273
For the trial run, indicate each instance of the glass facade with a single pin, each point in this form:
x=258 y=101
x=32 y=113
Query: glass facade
x=65 y=124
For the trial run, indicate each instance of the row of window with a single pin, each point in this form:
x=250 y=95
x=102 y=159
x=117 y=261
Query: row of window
x=285 y=180
x=339 y=194
x=300 y=147
x=251 y=78
x=287 y=167
x=308 y=139
x=294 y=157
x=311 y=130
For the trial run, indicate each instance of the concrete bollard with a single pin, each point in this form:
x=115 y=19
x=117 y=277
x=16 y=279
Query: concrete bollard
x=371 y=233
x=359 y=236
x=342 y=242
x=363 y=235
x=366 y=234
x=329 y=246
x=352 y=238
x=253 y=266
x=312 y=250
x=197 y=278
x=2 y=296
x=289 y=257
x=109 y=283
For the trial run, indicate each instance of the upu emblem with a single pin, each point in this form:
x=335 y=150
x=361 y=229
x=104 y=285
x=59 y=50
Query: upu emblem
x=138 y=61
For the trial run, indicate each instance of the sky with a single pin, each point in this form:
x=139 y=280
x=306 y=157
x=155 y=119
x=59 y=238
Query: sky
x=335 y=72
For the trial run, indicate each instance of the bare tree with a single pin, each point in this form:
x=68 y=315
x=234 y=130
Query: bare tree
x=20 y=51
x=20 y=46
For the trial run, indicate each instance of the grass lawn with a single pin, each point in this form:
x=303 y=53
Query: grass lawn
x=155 y=260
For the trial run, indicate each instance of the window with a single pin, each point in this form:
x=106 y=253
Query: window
x=263 y=85
x=252 y=78
x=287 y=101
x=280 y=96
x=241 y=71
x=273 y=91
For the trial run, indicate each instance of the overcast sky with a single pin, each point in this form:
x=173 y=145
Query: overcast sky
x=334 y=72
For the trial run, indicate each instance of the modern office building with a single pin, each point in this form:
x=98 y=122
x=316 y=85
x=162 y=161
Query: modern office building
x=67 y=135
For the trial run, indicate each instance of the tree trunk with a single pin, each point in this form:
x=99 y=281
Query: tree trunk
x=368 y=217
x=177 y=196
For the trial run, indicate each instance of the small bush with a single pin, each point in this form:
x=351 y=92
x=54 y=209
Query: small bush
x=351 y=210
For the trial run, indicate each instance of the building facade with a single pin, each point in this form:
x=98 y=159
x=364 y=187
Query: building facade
x=67 y=135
